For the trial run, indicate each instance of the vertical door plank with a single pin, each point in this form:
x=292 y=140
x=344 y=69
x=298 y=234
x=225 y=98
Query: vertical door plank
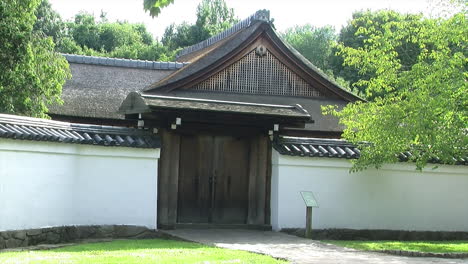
x=195 y=168
x=231 y=172
x=188 y=181
x=258 y=180
x=253 y=168
x=168 y=179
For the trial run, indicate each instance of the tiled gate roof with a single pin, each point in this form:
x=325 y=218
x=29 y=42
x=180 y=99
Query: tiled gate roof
x=316 y=147
x=36 y=129
x=332 y=148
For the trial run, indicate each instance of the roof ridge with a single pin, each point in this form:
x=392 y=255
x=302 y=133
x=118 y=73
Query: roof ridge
x=40 y=122
x=325 y=141
x=260 y=15
x=32 y=121
x=128 y=63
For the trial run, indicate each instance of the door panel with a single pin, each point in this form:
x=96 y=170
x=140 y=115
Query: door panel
x=213 y=179
x=194 y=197
x=231 y=174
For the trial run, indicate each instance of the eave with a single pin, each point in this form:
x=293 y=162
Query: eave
x=164 y=109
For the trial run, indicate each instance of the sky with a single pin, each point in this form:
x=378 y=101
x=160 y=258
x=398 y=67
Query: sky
x=285 y=13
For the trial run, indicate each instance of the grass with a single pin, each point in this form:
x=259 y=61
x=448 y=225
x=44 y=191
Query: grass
x=420 y=246
x=136 y=251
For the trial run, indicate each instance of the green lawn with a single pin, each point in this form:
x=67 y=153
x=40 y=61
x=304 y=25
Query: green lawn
x=136 y=251
x=421 y=246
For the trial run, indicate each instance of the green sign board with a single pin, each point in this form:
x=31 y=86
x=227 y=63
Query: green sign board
x=309 y=199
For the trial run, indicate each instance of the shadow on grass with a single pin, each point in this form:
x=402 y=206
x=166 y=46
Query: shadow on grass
x=128 y=245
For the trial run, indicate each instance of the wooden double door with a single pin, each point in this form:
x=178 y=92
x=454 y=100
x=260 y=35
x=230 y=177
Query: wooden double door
x=213 y=182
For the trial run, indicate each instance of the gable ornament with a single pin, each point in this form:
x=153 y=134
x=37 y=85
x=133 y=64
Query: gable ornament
x=261 y=50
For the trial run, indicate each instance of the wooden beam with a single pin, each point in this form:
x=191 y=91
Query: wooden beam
x=164 y=118
x=268 y=183
x=262 y=177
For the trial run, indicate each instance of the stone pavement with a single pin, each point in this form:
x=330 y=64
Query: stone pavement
x=295 y=249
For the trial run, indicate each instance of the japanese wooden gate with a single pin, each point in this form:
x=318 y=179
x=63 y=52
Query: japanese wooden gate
x=215 y=165
x=215 y=178
x=216 y=154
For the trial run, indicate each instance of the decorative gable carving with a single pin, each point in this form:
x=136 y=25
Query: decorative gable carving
x=259 y=72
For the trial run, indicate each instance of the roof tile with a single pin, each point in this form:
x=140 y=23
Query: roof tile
x=27 y=128
x=332 y=148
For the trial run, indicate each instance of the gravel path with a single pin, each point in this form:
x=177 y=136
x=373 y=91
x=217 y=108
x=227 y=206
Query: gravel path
x=295 y=249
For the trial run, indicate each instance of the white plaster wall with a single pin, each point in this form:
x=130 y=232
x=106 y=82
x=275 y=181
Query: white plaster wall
x=396 y=197
x=45 y=184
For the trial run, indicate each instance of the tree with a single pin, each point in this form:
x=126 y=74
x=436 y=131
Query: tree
x=85 y=31
x=355 y=35
x=314 y=43
x=48 y=22
x=213 y=17
x=154 y=6
x=182 y=35
x=121 y=39
x=31 y=73
x=154 y=52
x=113 y=35
x=422 y=107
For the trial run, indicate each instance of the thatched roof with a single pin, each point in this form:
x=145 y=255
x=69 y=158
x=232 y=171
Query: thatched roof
x=99 y=85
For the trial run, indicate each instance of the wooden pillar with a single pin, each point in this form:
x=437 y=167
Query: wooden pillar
x=168 y=179
x=268 y=183
x=308 y=232
x=258 y=182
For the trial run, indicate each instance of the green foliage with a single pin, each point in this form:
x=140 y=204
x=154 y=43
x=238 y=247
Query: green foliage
x=314 y=43
x=421 y=106
x=85 y=31
x=154 y=52
x=68 y=45
x=113 y=35
x=49 y=22
x=87 y=36
x=356 y=34
x=31 y=73
x=182 y=35
x=213 y=17
x=154 y=6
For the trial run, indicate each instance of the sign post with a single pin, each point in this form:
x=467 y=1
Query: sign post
x=310 y=202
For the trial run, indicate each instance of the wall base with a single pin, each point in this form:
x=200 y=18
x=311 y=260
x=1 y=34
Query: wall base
x=63 y=234
x=365 y=234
